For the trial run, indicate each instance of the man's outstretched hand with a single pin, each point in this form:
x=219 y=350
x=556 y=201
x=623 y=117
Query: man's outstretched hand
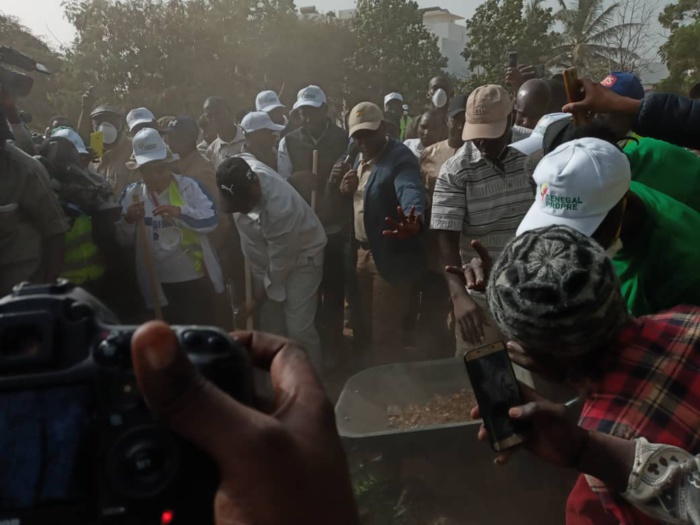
x=476 y=272
x=405 y=227
x=285 y=466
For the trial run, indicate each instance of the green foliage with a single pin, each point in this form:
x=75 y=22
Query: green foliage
x=395 y=52
x=171 y=54
x=588 y=30
x=680 y=52
x=501 y=26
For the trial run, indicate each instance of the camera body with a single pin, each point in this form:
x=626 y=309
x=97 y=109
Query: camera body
x=12 y=82
x=65 y=368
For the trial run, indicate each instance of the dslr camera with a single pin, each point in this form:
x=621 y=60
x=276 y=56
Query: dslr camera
x=78 y=444
x=13 y=82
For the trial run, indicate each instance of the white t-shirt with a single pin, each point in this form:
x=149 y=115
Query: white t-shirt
x=175 y=265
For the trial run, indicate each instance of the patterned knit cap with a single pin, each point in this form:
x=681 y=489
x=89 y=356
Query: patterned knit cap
x=554 y=290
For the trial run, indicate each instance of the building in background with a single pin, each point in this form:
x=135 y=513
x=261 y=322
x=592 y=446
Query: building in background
x=452 y=36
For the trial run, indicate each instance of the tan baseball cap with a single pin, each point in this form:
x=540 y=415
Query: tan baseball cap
x=365 y=116
x=488 y=108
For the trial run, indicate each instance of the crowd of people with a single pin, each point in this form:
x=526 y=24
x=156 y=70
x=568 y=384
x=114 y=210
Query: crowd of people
x=493 y=215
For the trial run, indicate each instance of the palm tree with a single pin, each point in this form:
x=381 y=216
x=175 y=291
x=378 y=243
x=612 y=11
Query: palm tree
x=588 y=36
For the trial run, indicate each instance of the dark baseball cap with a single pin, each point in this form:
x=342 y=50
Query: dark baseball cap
x=106 y=108
x=234 y=178
x=624 y=84
x=183 y=125
x=457 y=105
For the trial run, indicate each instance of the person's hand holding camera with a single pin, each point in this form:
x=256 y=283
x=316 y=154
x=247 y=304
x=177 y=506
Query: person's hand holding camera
x=282 y=466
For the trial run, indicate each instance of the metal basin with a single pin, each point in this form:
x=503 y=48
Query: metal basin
x=448 y=458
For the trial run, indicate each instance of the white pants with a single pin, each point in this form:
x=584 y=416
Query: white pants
x=295 y=316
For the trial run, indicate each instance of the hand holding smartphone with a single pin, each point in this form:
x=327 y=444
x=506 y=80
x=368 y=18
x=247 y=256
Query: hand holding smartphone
x=574 y=93
x=497 y=391
x=513 y=59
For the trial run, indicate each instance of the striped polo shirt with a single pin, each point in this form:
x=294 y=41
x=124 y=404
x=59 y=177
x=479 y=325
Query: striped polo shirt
x=483 y=200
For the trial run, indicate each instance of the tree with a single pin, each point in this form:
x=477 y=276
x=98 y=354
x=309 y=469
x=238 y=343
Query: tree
x=39 y=101
x=633 y=46
x=588 y=35
x=169 y=55
x=501 y=26
x=680 y=52
x=395 y=52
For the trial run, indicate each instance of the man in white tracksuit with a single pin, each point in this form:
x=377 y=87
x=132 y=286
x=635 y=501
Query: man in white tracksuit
x=178 y=214
x=283 y=241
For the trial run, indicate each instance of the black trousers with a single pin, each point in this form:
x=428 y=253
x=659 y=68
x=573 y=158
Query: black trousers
x=192 y=302
x=331 y=297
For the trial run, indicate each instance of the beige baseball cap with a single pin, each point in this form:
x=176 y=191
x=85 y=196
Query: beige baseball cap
x=488 y=109
x=365 y=116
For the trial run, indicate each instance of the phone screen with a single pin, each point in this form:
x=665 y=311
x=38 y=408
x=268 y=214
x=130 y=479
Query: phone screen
x=97 y=143
x=497 y=391
x=42 y=436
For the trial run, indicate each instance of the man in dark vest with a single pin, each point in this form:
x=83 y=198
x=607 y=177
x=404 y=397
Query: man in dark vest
x=294 y=163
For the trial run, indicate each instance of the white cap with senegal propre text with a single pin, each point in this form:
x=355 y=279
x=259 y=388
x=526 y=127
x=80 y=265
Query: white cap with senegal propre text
x=577 y=185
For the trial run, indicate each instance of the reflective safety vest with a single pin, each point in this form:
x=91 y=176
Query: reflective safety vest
x=405 y=122
x=81 y=262
x=190 y=239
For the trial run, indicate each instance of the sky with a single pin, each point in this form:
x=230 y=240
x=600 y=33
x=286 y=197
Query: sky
x=45 y=17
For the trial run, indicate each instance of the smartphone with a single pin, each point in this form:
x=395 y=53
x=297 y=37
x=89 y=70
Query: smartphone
x=574 y=91
x=97 y=143
x=513 y=59
x=497 y=391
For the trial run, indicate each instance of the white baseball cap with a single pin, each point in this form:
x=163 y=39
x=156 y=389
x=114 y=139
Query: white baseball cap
x=139 y=116
x=258 y=120
x=73 y=136
x=267 y=101
x=534 y=142
x=577 y=185
x=392 y=96
x=310 y=96
x=149 y=146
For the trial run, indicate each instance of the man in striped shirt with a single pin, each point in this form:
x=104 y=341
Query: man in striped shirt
x=484 y=199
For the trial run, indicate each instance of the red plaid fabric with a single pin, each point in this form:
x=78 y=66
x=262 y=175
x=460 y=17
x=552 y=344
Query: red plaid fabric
x=651 y=388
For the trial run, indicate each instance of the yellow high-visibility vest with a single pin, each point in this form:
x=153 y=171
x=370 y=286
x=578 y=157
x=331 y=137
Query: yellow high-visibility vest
x=81 y=262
